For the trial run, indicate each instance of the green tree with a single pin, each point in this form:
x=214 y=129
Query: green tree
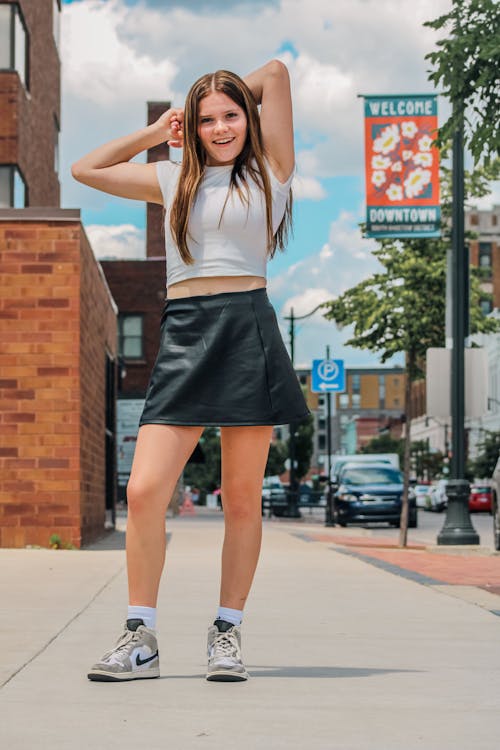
x=385 y=444
x=402 y=309
x=278 y=453
x=303 y=446
x=488 y=453
x=206 y=476
x=427 y=464
x=466 y=66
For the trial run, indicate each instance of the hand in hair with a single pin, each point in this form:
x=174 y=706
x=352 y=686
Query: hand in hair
x=172 y=122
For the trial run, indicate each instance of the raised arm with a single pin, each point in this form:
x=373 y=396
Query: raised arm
x=108 y=168
x=270 y=86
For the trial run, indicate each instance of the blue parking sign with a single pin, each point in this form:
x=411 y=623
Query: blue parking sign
x=328 y=375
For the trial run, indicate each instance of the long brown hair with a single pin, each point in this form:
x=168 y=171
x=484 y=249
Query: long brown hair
x=194 y=158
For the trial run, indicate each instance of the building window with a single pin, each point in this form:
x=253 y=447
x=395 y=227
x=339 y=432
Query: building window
x=474 y=220
x=321 y=400
x=130 y=336
x=56 y=144
x=355 y=382
x=356 y=399
x=381 y=391
x=13 y=193
x=321 y=442
x=303 y=379
x=494 y=220
x=486 y=306
x=56 y=21
x=14 y=42
x=344 y=401
x=321 y=423
x=485 y=257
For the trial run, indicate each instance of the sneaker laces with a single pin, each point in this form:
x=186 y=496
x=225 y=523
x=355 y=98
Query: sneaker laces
x=224 y=645
x=122 y=643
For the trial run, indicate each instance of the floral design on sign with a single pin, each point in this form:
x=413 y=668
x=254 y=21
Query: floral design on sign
x=401 y=160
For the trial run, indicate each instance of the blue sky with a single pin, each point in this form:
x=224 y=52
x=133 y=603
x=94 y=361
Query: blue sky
x=117 y=54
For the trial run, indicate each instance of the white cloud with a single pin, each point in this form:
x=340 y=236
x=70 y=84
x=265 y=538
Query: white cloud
x=100 y=67
x=487 y=203
x=307 y=188
x=116 y=56
x=125 y=241
x=344 y=261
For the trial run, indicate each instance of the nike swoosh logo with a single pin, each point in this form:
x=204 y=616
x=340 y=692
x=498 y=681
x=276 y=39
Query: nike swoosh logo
x=139 y=662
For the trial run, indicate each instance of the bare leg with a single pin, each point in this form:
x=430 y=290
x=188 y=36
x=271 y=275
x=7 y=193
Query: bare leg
x=244 y=455
x=160 y=456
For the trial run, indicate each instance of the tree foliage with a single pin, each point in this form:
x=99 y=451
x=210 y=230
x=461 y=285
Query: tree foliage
x=278 y=453
x=206 y=476
x=466 y=65
x=303 y=447
x=488 y=452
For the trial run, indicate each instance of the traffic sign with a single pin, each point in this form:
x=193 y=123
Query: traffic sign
x=328 y=375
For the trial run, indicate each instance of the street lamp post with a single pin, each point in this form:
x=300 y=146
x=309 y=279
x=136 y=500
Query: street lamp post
x=458 y=528
x=293 y=509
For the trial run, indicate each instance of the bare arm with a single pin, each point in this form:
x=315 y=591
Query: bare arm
x=270 y=86
x=108 y=167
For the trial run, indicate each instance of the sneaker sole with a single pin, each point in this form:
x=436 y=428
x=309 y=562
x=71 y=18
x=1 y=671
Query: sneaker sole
x=222 y=676
x=126 y=677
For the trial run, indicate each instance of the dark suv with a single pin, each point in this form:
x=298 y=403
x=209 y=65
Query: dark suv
x=371 y=493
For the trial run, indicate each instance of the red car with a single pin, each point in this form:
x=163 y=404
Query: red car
x=480 y=497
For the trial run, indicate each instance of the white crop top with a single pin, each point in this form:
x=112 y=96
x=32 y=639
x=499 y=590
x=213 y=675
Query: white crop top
x=238 y=247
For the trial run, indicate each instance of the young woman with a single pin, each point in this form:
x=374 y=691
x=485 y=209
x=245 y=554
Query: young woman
x=221 y=359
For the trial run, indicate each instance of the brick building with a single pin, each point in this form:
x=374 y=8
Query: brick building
x=58 y=334
x=30 y=91
x=57 y=316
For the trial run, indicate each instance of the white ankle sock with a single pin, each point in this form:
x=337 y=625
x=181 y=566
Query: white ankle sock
x=146 y=614
x=234 y=616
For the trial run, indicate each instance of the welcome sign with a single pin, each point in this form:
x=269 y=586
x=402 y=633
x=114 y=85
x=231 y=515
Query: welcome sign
x=401 y=166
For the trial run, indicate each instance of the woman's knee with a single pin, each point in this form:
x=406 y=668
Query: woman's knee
x=144 y=495
x=242 y=504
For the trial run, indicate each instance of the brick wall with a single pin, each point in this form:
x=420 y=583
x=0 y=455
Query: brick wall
x=50 y=464
x=155 y=242
x=139 y=286
x=97 y=337
x=27 y=130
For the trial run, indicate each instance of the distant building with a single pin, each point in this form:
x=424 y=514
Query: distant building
x=484 y=253
x=372 y=404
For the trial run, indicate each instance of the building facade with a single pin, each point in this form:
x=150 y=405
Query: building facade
x=373 y=403
x=484 y=253
x=57 y=382
x=57 y=316
x=30 y=114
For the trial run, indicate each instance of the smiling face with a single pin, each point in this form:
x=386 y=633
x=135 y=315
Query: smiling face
x=222 y=128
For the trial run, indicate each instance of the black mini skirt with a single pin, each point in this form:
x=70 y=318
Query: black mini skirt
x=222 y=362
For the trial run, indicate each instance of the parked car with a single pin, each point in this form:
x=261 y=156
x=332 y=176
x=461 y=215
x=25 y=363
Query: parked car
x=371 y=493
x=422 y=495
x=274 y=495
x=480 y=497
x=495 y=505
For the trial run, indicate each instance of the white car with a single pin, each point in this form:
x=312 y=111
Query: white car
x=422 y=494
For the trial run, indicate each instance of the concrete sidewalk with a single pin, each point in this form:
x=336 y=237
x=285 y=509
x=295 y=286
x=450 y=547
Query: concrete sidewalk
x=343 y=654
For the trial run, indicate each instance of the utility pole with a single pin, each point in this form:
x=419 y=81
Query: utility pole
x=293 y=510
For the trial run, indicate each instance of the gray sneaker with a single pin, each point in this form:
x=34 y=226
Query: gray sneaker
x=135 y=656
x=224 y=653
